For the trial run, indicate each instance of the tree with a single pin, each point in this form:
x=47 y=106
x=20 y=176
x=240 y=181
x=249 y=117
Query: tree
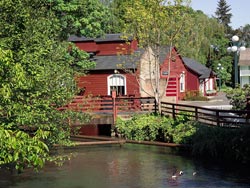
x=89 y=18
x=204 y=32
x=207 y=43
x=223 y=14
x=244 y=33
x=36 y=77
x=156 y=24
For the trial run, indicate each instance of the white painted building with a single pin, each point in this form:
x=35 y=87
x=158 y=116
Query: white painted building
x=244 y=67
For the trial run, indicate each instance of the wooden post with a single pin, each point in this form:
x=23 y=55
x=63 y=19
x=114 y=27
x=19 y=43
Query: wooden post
x=114 y=106
x=218 y=118
x=173 y=111
x=196 y=114
x=248 y=109
x=155 y=106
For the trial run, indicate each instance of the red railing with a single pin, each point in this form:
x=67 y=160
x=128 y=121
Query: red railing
x=107 y=104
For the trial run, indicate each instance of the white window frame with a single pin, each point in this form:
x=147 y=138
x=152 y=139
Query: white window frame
x=182 y=82
x=116 y=80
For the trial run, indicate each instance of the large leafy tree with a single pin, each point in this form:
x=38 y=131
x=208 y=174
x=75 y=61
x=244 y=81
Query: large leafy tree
x=36 y=77
x=204 y=33
x=89 y=18
x=156 y=24
x=207 y=43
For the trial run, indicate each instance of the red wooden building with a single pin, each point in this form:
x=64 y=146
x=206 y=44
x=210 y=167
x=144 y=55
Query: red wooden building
x=130 y=71
x=122 y=66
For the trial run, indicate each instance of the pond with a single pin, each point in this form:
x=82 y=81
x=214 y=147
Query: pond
x=129 y=166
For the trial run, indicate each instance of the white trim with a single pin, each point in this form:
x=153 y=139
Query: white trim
x=116 y=80
x=182 y=82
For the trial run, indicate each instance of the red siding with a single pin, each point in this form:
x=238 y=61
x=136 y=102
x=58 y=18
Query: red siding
x=89 y=46
x=107 y=48
x=176 y=69
x=132 y=85
x=193 y=81
x=95 y=83
x=112 y=48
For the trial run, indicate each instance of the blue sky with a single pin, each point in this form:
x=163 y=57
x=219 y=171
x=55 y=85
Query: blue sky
x=239 y=8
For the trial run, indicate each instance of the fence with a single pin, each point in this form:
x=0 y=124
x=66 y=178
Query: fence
x=131 y=105
x=217 y=117
x=107 y=104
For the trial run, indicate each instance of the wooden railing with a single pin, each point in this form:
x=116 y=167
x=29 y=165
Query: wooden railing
x=208 y=116
x=131 y=105
x=106 y=104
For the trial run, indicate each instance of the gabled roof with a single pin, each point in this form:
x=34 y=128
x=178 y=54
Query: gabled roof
x=244 y=59
x=200 y=69
x=106 y=38
x=111 y=62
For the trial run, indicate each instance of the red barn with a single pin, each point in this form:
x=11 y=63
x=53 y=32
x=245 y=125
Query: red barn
x=122 y=66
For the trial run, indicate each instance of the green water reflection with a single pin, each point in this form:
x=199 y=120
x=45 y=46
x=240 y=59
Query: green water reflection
x=129 y=166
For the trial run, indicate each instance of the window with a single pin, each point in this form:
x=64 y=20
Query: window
x=182 y=82
x=117 y=82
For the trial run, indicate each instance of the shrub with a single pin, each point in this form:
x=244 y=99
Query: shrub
x=142 y=127
x=183 y=129
x=222 y=144
x=238 y=97
x=149 y=127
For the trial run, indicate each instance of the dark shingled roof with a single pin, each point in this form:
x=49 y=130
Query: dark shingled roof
x=200 y=69
x=111 y=62
x=105 y=38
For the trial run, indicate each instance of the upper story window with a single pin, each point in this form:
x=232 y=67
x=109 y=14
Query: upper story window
x=182 y=82
x=117 y=82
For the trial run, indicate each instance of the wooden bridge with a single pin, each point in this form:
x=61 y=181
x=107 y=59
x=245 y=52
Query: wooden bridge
x=127 y=106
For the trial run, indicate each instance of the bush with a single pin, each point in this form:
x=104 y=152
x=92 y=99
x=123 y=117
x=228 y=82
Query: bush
x=238 y=97
x=183 y=129
x=149 y=127
x=143 y=127
x=222 y=144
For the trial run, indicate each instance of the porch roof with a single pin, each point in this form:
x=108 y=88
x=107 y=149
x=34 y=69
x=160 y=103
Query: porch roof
x=200 y=69
x=244 y=59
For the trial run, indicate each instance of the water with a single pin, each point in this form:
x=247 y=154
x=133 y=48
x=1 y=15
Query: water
x=129 y=166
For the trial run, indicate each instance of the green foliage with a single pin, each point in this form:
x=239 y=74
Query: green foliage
x=183 y=129
x=36 y=77
x=88 y=18
x=156 y=128
x=14 y=146
x=142 y=127
x=222 y=144
x=238 y=97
